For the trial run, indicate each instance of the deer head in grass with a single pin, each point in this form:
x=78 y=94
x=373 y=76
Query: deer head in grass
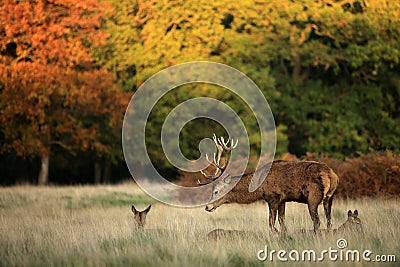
x=140 y=216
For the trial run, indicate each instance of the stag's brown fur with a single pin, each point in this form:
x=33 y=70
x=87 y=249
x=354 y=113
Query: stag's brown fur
x=306 y=182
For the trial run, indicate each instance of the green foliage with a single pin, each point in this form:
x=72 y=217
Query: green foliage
x=323 y=66
x=329 y=69
x=194 y=131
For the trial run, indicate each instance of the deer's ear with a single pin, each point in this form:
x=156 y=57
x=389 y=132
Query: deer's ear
x=227 y=179
x=133 y=209
x=147 y=209
x=355 y=213
x=349 y=213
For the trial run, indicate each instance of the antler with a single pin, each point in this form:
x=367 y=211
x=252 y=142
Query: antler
x=221 y=146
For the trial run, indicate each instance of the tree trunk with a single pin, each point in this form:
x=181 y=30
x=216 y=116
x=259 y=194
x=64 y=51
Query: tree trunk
x=97 y=172
x=297 y=67
x=44 y=170
x=107 y=172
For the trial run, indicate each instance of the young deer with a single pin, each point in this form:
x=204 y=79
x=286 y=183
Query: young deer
x=353 y=223
x=307 y=182
x=217 y=234
x=140 y=216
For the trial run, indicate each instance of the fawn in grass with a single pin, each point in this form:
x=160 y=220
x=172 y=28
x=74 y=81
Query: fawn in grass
x=351 y=225
x=140 y=216
x=307 y=182
x=219 y=233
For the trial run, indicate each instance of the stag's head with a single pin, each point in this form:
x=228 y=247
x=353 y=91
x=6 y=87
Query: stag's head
x=220 y=192
x=221 y=186
x=140 y=216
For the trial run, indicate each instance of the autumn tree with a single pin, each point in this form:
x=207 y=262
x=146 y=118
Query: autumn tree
x=329 y=69
x=51 y=92
x=148 y=36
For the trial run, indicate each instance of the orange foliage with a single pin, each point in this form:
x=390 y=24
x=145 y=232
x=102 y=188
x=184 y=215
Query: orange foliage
x=371 y=175
x=51 y=32
x=51 y=92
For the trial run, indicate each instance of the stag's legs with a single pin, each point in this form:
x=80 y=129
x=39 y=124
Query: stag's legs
x=327 y=209
x=314 y=200
x=273 y=209
x=281 y=216
x=313 y=209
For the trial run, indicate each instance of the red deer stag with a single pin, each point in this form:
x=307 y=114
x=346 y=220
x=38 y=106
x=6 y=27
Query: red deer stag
x=307 y=182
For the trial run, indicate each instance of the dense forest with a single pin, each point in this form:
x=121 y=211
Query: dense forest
x=329 y=69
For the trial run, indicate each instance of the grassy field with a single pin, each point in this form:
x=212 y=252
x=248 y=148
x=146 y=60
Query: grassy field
x=93 y=226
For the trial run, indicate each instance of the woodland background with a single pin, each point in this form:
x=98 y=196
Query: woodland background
x=329 y=69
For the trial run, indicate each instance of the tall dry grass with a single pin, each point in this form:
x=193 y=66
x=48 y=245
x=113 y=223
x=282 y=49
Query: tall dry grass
x=93 y=226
